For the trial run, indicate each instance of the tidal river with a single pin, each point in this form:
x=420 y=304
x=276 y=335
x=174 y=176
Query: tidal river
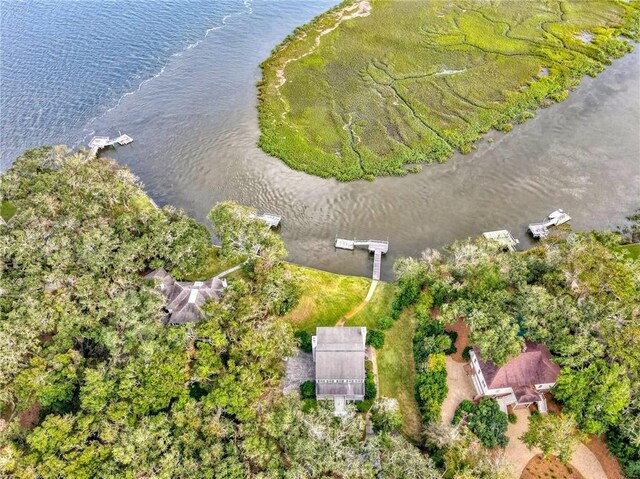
x=194 y=123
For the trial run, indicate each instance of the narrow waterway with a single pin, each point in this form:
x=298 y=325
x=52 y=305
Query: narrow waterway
x=195 y=130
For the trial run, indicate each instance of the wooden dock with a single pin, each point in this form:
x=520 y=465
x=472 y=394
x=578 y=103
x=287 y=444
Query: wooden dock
x=377 y=247
x=502 y=237
x=272 y=221
x=97 y=143
x=541 y=230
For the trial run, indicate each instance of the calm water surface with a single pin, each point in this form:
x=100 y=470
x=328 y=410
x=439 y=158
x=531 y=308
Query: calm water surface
x=180 y=79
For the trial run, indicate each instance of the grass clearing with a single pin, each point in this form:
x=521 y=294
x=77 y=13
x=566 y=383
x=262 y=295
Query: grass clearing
x=214 y=266
x=326 y=297
x=362 y=92
x=396 y=369
x=631 y=251
x=7 y=210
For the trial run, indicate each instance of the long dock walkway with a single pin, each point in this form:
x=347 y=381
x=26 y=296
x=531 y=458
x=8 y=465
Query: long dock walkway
x=377 y=247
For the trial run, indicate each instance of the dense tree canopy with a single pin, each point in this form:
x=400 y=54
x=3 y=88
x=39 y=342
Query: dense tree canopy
x=93 y=385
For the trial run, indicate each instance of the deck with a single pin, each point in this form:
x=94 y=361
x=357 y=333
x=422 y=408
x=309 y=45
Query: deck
x=97 y=143
x=541 y=229
x=377 y=247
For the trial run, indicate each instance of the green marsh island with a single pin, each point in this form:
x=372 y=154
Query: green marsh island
x=373 y=88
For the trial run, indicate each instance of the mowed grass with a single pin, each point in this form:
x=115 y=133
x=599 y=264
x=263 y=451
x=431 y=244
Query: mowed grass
x=214 y=266
x=631 y=251
x=412 y=82
x=326 y=297
x=7 y=210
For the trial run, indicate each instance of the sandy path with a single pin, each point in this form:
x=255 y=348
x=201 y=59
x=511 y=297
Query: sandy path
x=519 y=455
x=460 y=387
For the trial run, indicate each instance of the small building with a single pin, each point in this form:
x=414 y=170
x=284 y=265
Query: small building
x=184 y=299
x=520 y=382
x=339 y=355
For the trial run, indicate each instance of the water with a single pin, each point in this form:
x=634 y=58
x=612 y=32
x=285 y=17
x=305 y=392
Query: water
x=195 y=130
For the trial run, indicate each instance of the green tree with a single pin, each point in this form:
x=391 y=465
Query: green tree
x=554 y=434
x=596 y=395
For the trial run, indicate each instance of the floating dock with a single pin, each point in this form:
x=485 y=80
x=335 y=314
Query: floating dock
x=556 y=218
x=377 y=247
x=97 y=143
x=503 y=237
x=272 y=221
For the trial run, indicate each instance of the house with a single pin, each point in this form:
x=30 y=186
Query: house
x=184 y=299
x=520 y=382
x=338 y=354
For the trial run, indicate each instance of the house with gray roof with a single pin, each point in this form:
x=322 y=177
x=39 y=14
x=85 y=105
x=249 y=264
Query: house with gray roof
x=184 y=299
x=339 y=355
x=519 y=383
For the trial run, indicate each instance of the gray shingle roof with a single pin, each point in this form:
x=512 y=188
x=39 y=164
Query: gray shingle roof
x=339 y=356
x=184 y=299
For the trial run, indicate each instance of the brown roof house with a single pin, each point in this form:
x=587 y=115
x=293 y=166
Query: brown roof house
x=339 y=354
x=184 y=299
x=520 y=382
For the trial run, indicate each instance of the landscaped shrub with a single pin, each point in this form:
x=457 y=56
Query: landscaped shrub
x=304 y=340
x=368 y=365
x=463 y=409
x=431 y=386
x=370 y=389
x=512 y=418
x=489 y=423
x=308 y=390
x=364 y=406
x=465 y=353
x=385 y=322
x=386 y=415
x=309 y=405
x=375 y=338
x=452 y=348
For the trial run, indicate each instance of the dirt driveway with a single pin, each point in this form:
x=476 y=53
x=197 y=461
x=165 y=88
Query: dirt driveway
x=460 y=387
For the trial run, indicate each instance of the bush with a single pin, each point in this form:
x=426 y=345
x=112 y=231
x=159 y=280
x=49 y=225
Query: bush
x=364 y=406
x=304 y=340
x=375 y=338
x=370 y=389
x=385 y=323
x=431 y=386
x=512 y=418
x=465 y=353
x=452 y=348
x=368 y=365
x=309 y=405
x=464 y=408
x=489 y=423
x=385 y=415
x=308 y=390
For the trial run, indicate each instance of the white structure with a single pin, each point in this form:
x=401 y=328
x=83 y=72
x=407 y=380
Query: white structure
x=338 y=354
x=556 y=218
x=520 y=382
x=502 y=237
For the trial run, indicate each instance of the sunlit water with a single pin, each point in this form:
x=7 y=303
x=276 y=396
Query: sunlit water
x=188 y=97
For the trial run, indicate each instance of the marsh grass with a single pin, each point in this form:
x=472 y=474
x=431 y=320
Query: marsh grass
x=413 y=82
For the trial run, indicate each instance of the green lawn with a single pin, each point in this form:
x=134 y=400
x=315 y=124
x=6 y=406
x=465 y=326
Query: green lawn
x=326 y=297
x=215 y=265
x=412 y=82
x=630 y=250
x=7 y=210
